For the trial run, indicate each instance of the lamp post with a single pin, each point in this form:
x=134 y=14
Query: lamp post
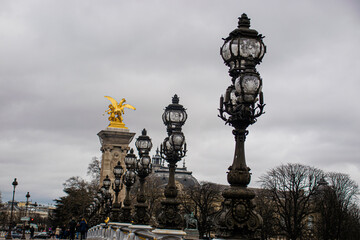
x=14 y=183
x=106 y=196
x=242 y=104
x=118 y=172
x=172 y=150
x=26 y=206
x=128 y=180
x=99 y=201
x=143 y=169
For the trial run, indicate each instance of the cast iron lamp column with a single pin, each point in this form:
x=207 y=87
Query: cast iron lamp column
x=107 y=195
x=172 y=150
x=129 y=180
x=98 y=206
x=14 y=183
x=143 y=169
x=240 y=107
x=118 y=172
x=26 y=207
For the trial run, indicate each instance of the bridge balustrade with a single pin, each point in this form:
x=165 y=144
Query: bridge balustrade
x=124 y=231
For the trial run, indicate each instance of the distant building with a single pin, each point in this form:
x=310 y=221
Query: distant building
x=160 y=173
x=33 y=209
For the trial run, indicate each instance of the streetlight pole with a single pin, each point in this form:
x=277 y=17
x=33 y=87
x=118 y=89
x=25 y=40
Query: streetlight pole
x=118 y=171
x=14 y=183
x=143 y=169
x=173 y=149
x=107 y=196
x=128 y=179
x=26 y=207
x=98 y=207
x=242 y=104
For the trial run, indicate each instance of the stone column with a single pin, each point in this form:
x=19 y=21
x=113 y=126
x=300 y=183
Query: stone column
x=114 y=146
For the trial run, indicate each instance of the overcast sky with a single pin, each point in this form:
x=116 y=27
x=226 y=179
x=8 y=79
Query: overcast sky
x=58 y=59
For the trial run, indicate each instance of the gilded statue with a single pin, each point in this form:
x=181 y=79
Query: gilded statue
x=116 y=110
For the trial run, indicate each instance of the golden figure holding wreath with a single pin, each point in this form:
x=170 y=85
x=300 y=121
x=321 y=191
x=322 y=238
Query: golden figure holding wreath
x=116 y=110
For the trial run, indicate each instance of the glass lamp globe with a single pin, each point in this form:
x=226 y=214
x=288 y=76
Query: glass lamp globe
x=145 y=161
x=117 y=182
x=106 y=182
x=248 y=87
x=130 y=160
x=243 y=46
x=139 y=166
x=118 y=169
x=166 y=146
x=176 y=140
x=143 y=143
x=174 y=115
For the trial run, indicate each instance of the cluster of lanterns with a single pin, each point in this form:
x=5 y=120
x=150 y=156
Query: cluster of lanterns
x=240 y=107
x=243 y=49
x=173 y=149
x=103 y=205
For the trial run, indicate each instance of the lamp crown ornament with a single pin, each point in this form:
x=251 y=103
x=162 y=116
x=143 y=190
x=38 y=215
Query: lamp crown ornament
x=175 y=99
x=244 y=21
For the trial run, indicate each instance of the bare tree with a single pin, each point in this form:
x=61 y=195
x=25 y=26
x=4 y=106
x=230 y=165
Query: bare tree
x=203 y=201
x=154 y=196
x=266 y=208
x=292 y=188
x=94 y=168
x=93 y=171
x=336 y=206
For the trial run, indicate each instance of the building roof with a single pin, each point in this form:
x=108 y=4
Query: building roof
x=160 y=173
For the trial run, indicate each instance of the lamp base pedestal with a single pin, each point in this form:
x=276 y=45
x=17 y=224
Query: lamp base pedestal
x=169 y=217
x=237 y=218
x=125 y=216
x=141 y=216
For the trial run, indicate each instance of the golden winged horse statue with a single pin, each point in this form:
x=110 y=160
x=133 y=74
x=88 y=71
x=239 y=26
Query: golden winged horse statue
x=116 y=110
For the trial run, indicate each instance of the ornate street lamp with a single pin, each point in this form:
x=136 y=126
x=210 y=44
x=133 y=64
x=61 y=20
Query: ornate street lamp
x=118 y=172
x=242 y=104
x=129 y=180
x=106 y=196
x=143 y=169
x=26 y=207
x=14 y=183
x=174 y=115
x=143 y=143
x=98 y=203
x=172 y=150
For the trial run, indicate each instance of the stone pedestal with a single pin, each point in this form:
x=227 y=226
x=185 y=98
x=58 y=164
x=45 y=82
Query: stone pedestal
x=114 y=146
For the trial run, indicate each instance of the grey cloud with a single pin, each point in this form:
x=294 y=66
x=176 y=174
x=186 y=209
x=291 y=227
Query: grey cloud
x=60 y=58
